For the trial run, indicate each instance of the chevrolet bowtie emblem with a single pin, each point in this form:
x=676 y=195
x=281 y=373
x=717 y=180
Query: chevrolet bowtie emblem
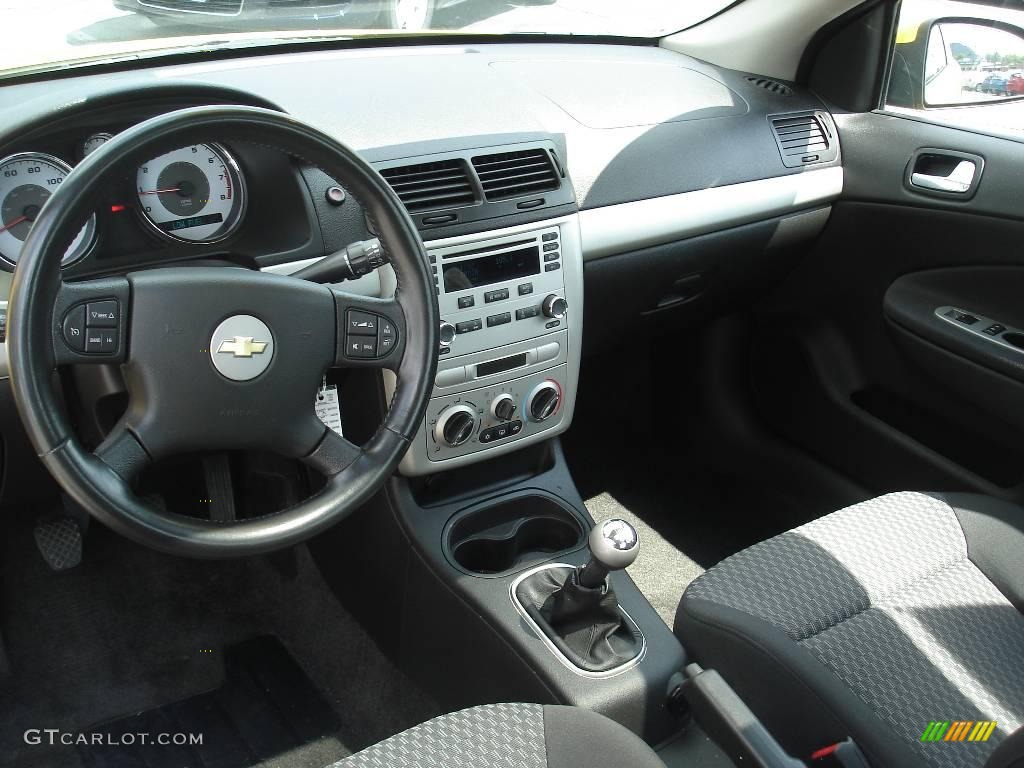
x=242 y=346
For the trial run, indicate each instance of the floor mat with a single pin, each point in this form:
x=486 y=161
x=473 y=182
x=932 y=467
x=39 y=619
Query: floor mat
x=266 y=708
x=130 y=630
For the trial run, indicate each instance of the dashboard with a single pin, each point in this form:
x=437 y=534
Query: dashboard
x=604 y=180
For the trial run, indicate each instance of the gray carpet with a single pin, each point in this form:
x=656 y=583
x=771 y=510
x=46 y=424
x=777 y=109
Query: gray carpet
x=661 y=571
x=130 y=630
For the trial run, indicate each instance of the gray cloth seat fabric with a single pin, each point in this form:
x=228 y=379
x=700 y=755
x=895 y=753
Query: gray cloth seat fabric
x=510 y=736
x=873 y=622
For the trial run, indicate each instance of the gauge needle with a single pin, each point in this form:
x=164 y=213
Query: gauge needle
x=13 y=222
x=159 y=191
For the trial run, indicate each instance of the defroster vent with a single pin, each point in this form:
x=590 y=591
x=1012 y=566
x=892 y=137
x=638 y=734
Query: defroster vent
x=433 y=185
x=514 y=174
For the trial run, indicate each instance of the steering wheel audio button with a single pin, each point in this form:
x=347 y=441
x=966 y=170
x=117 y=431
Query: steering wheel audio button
x=102 y=314
x=74 y=328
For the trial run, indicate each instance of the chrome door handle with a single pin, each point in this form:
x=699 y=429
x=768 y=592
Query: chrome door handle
x=958 y=181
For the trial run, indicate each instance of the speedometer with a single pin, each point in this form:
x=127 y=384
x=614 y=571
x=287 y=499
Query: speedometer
x=195 y=193
x=26 y=182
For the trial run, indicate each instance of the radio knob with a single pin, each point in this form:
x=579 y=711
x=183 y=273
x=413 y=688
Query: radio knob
x=455 y=425
x=554 y=306
x=446 y=334
x=543 y=401
x=503 y=407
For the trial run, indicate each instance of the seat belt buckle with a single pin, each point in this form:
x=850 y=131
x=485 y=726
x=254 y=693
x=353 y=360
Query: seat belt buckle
x=843 y=753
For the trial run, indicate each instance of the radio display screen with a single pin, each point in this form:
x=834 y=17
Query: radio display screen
x=493 y=268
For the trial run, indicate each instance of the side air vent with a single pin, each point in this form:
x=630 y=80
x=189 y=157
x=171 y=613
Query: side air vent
x=772 y=86
x=513 y=174
x=803 y=139
x=429 y=186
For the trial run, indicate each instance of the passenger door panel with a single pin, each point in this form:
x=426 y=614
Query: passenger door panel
x=851 y=360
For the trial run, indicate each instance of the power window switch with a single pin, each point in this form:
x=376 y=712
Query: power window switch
x=995 y=329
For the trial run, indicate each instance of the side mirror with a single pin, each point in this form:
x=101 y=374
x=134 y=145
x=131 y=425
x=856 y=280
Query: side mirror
x=957 y=61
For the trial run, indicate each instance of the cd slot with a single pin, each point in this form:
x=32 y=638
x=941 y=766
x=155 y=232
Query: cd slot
x=489 y=248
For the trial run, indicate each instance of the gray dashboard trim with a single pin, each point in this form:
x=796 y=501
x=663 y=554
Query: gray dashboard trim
x=630 y=226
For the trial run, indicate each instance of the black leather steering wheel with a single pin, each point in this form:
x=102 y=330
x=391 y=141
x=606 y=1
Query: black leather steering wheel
x=200 y=374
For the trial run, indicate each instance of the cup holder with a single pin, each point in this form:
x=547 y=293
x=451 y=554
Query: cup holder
x=511 y=535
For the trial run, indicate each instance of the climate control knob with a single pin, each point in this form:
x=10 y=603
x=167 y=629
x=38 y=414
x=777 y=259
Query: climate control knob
x=446 y=334
x=543 y=401
x=554 y=306
x=503 y=407
x=456 y=425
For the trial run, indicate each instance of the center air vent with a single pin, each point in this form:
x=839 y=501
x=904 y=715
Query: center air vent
x=772 y=86
x=512 y=174
x=429 y=186
x=803 y=139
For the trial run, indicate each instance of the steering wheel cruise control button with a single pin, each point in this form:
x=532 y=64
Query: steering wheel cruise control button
x=74 y=328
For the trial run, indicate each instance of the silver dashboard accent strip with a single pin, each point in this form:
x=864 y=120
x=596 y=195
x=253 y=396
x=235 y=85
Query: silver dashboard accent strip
x=554 y=648
x=628 y=226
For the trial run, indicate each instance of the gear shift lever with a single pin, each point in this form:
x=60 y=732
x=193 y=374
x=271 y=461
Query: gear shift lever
x=614 y=545
x=577 y=608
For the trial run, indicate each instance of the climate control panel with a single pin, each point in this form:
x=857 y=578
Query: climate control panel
x=503 y=412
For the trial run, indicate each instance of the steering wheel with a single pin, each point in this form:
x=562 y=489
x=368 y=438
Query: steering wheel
x=218 y=358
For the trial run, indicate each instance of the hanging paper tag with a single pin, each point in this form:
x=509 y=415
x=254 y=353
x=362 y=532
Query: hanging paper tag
x=328 y=408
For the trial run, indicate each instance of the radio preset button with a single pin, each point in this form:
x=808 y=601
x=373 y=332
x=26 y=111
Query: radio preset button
x=526 y=289
x=467 y=326
x=550 y=246
x=549 y=236
x=527 y=312
x=499 y=295
x=552 y=267
x=465 y=302
x=504 y=317
x=551 y=256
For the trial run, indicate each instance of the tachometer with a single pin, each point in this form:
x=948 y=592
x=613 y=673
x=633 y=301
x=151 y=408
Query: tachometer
x=195 y=193
x=26 y=182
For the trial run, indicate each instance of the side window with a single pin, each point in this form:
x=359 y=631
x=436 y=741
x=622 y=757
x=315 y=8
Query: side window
x=959 y=62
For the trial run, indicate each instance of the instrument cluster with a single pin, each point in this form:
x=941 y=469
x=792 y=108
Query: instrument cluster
x=194 y=194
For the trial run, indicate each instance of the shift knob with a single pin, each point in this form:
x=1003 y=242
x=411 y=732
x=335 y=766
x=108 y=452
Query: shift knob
x=614 y=545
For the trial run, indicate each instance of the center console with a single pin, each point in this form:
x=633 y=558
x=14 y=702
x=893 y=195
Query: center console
x=511 y=305
x=508 y=580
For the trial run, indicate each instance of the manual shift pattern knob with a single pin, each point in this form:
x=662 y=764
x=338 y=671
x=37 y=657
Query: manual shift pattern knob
x=614 y=545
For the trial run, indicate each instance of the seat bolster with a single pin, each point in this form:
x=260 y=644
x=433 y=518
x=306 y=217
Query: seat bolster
x=579 y=738
x=797 y=698
x=1010 y=753
x=994 y=530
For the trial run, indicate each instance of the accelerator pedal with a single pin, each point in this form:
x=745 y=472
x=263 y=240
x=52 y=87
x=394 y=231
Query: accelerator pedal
x=59 y=540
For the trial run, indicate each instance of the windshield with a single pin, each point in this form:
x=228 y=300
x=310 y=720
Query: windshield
x=56 y=33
